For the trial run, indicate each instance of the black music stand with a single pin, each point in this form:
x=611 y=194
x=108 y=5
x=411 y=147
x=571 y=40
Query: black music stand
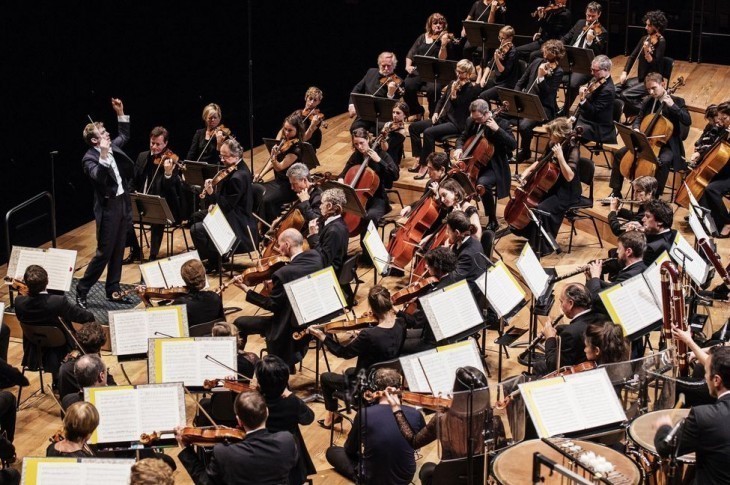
x=308 y=156
x=575 y=61
x=150 y=210
x=436 y=70
x=373 y=108
x=195 y=175
x=483 y=34
x=522 y=106
x=637 y=142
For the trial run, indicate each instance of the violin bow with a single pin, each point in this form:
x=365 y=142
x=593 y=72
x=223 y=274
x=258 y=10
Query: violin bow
x=217 y=362
x=202 y=410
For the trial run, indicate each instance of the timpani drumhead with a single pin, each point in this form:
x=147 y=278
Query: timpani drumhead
x=641 y=430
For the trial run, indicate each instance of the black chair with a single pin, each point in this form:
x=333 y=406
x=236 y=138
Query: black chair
x=204 y=329
x=667 y=68
x=391 y=217
x=586 y=169
x=447 y=143
x=454 y=472
x=618 y=109
x=488 y=242
x=42 y=337
x=348 y=276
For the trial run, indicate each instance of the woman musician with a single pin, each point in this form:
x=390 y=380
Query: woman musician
x=489 y=11
x=714 y=195
x=502 y=71
x=313 y=120
x=396 y=133
x=202 y=306
x=207 y=141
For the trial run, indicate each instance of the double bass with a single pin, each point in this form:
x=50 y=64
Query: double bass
x=537 y=184
x=365 y=181
x=712 y=163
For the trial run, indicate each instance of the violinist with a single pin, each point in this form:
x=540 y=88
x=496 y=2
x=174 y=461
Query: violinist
x=587 y=33
x=482 y=11
x=328 y=234
x=309 y=195
x=671 y=154
x=234 y=196
x=553 y=23
x=563 y=194
x=714 y=195
x=90 y=371
x=79 y=424
x=595 y=103
x=650 y=52
x=246 y=361
x=435 y=42
x=437 y=164
x=207 y=141
x=287 y=153
x=312 y=118
x=605 y=343
x=495 y=176
x=504 y=66
x=378 y=81
x=449 y=118
x=372 y=345
x=393 y=143
x=91 y=338
x=276 y=328
x=201 y=306
x=542 y=77
x=657 y=226
x=261 y=458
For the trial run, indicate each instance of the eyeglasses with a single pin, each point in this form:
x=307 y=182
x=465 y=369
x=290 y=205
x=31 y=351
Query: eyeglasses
x=438 y=21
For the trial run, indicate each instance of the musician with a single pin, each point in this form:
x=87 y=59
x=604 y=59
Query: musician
x=91 y=338
x=650 y=52
x=372 y=345
x=279 y=191
x=79 y=423
x=644 y=188
x=396 y=133
x=566 y=191
x=234 y=197
x=201 y=306
x=245 y=361
x=311 y=118
x=657 y=225
x=309 y=194
x=703 y=431
x=482 y=11
x=711 y=132
x=453 y=197
x=553 y=22
x=605 y=343
x=714 y=195
x=575 y=304
x=110 y=171
x=436 y=42
x=376 y=82
x=542 y=77
x=671 y=153
x=39 y=308
x=9 y=376
x=207 y=141
x=505 y=65
x=583 y=35
x=437 y=165
x=630 y=255
x=596 y=107
x=466 y=245
x=449 y=117
x=277 y=328
x=495 y=176
x=450 y=427
x=386 y=456
x=90 y=371
x=328 y=235
x=262 y=458
x=151 y=471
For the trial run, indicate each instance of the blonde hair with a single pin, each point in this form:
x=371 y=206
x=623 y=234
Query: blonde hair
x=90 y=131
x=152 y=471
x=559 y=128
x=80 y=421
x=466 y=65
x=210 y=109
x=313 y=92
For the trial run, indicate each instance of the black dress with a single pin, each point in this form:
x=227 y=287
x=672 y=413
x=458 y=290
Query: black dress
x=286 y=414
x=278 y=191
x=207 y=150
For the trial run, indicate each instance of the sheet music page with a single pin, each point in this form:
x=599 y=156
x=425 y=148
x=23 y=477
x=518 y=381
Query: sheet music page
x=12 y=269
x=27 y=257
x=60 y=268
x=152 y=275
x=108 y=472
x=532 y=271
x=170 y=320
x=220 y=232
x=413 y=372
x=631 y=305
x=696 y=225
x=171 y=268
x=315 y=296
x=164 y=408
x=118 y=413
x=596 y=398
x=440 y=368
x=550 y=405
x=376 y=249
x=653 y=277
x=451 y=310
x=504 y=293
x=682 y=252
x=129 y=332
x=222 y=349
x=176 y=360
x=61 y=472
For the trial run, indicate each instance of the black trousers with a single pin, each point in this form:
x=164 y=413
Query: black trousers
x=632 y=93
x=341 y=462
x=111 y=234
x=662 y=172
x=4 y=342
x=7 y=414
x=332 y=382
x=203 y=243
x=713 y=198
x=431 y=133
x=414 y=84
x=488 y=179
x=157 y=231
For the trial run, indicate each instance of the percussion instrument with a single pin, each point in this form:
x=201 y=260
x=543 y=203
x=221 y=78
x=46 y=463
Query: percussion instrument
x=641 y=437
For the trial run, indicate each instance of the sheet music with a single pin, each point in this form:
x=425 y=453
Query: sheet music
x=696 y=225
x=596 y=397
x=171 y=268
x=170 y=320
x=26 y=257
x=502 y=290
x=118 y=413
x=413 y=372
x=315 y=296
x=14 y=257
x=76 y=471
x=220 y=232
x=152 y=275
x=440 y=368
x=130 y=329
x=102 y=471
x=681 y=252
x=451 y=310
x=58 y=263
x=167 y=412
x=653 y=277
x=557 y=412
x=532 y=271
x=376 y=249
x=631 y=304
x=222 y=349
x=183 y=360
x=706 y=217
x=59 y=472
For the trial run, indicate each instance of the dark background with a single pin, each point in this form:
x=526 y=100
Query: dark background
x=62 y=61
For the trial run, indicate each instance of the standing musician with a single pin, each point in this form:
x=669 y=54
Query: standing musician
x=207 y=141
x=630 y=255
x=234 y=197
x=595 y=103
x=542 y=77
x=328 y=234
x=563 y=194
x=553 y=21
x=284 y=155
x=605 y=343
x=110 y=171
x=437 y=164
x=644 y=188
x=309 y=195
x=449 y=118
x=467 y=247
x=650 y=52
x=396 y=129
x=494 y=177
x=504 y=66
x=657 y=225
x=378 y=81
x=671 y=153
x=483 y=11
x=435 y=42
x=312 y=118
x=372 y=345
x=202 y=306
x=715 y=192
x=277 y=327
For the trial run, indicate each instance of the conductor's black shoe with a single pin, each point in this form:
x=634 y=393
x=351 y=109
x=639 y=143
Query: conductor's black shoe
x=81 y=301
x=123 y=300
x=492 y=226
x=133 y=256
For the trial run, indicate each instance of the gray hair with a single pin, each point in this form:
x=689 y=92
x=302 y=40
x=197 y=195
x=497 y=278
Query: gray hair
x=87 y=370
x=603 y=62
x=235 y=147
x=479 y=105
x=579 y=294
x=298 y=171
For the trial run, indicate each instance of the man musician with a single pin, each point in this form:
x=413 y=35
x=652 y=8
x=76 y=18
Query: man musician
x=553 y=22
x=657 y=225
x=595 y=103
x=630 y=255
x=372 y=83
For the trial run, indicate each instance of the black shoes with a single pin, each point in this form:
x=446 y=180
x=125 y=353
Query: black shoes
x=134 y=256
x=122 y=300
x=523 y=155
x=81 y=301
x=492 y=226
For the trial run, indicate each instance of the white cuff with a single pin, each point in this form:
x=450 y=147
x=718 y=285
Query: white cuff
x=123 y=119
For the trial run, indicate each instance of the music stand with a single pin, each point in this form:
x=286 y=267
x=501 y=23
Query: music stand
x=576 y=60
x=352 y=203
x=483 y=34
x=307 y=156
x=195 y=175
x=150 y=210
x=434 y=69
x=638 y=143
x=522 y=106
x=373 y=108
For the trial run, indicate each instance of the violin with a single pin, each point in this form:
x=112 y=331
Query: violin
x=651 y=41
x=199 y=436
x=596 y=27
x=393 y=78
x=73 y=355
x=591 y=87
x=219 y=177
x=57 y=437
x=152 y=292
x=283 y=146
x=367 y=319
x=551 y=8
x=17 y=285
x=572 y=369
x=316 y=117
x=224 y=130
x=414 y=290
x=262 y=270
x=168 y=155
x=503 y=50
x=235 y=386
x=427 y=401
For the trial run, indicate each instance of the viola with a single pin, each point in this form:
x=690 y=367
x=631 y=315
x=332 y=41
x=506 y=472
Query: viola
x=414 y=290
x=315 y=115
x=146 y=293
x=393 y=78
x=199 y=436
x=262 y=270
x=235 y=386
x=219 y=177
x=365 y=181
x=168 y=155
x=365 y=320
x=651 y=41
x=17 y=285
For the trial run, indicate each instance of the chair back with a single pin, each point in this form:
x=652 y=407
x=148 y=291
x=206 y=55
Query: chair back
x=586 y=169
x=618 y=109
x=454 y=472
x=258 y=196
x=204 y=329
x=488 y=242
x=43 y=335
x=667 y=68
x=386 y=364
x=348 y=271
x=521 y=68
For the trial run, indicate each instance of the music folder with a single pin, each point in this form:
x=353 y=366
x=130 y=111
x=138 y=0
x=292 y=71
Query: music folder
x=504 y=293
x=376 y=249
x=184 y=360
x=219 y=230
x=165 y=272
x=78 y=471
x=130 y=329
x=451 y=311
x=315 y=297
x=58 y=263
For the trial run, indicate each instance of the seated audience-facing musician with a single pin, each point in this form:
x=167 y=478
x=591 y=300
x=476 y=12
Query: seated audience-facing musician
x=595 y=104
x=378 y=81
x=202 y=306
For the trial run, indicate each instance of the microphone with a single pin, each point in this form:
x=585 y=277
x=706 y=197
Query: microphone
x=670 y=437
x=54 y=152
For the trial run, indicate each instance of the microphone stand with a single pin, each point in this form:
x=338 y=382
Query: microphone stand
x=674 y=438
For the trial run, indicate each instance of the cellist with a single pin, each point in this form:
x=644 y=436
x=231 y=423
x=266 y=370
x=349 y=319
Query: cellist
x=328 y=234
x=672 y=152
x=309 y=194
x=714 y=193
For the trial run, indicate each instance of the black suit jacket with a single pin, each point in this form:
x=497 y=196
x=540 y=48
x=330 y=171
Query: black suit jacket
x=599 y=43
x=457 y=110
x=209 y=155
x=680 y=118
x=263 y=458
x=554 y=25
x=705 y=431
x=595 y=285
x=370 y=84
x=310 y=209
x=202 y=306
x=656 y=244
x=331 y=243
x=468 y=261
x=616 y=224
x=572 y=345
x=547 y=90
x=146 y=171
x=597 y=111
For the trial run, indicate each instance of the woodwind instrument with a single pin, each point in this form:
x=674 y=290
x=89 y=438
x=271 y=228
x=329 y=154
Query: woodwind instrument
x=581 y=269
x=673 y=310
x=607 y=200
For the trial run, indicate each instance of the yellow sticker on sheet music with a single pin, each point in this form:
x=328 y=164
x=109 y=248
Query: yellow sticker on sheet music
x=609 y=304
x=330 y=269
x=526 y=391
x=30 y=467
x=446 y=348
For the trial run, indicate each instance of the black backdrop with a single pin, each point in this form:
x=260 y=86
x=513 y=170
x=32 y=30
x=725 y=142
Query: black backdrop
x=62 y=61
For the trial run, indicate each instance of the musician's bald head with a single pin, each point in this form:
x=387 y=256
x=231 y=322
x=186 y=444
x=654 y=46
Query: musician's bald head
x=293 y=237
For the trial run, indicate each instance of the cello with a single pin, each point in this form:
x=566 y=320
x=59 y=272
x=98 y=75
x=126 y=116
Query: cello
x=292 y=219
x=365 y=182
x=478 y=151
x=537 y=184
x=712 y=163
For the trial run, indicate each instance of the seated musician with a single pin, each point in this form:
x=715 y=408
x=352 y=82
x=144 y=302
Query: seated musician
x=713 y=197
x=396 y=133
x=312 y=118
x=79 y=423
x=309 y=195
x=450 y=427
x=372 y=345
x=328 y=235
x=279 y=191
x=448 y=118
x=437 y=165
x=41 y=309
x=386 y=455
x=630 y=254
x=234 y=196
x=151 y=471
x=657 y=225
x=542 y=77
x=596 y=108
x=207 y=141
x=494 y=178
x=644 y=189
x=466 y=246
x=262 y=458
x=9 y=376
x=91 y=338
x=436 y=42
x=563 y=194
x=575 y=304
x=245 y=361
x=489 y=11
x=671 y=154
x=202 y=306
x=553 y=22
x=90 y=371
x=605 y=343
x=504 y=66
x=650 y=52
x=277 y=327
x=584 y=35
x=376 y=82
x=710 y=133
x=704 y=431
